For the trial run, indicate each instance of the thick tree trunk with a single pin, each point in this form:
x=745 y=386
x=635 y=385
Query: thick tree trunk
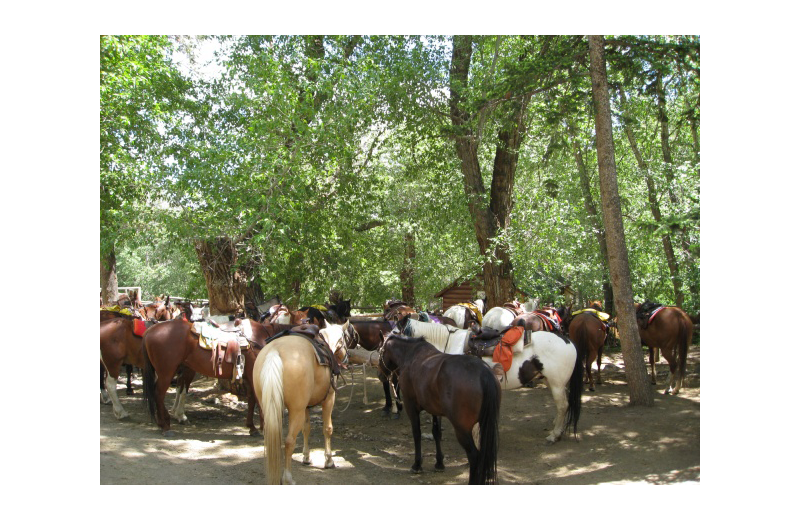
x=226 y=284
x=641 y=392
x=108 y=278
x=490 y=214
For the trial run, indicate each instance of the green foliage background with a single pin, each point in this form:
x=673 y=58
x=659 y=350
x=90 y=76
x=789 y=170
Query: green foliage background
x=324 y=153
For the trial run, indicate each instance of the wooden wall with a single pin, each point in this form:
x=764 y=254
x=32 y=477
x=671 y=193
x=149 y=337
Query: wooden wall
x=458 y=294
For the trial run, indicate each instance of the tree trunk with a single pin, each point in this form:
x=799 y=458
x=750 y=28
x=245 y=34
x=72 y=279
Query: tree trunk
x=407 y=272
x=594 y=217
x=652 y=197
x=641 y=392
x=108 y=278
x=490 y=217
x=226 y=284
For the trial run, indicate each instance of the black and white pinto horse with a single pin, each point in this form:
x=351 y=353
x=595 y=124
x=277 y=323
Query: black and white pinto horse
x=551 y=355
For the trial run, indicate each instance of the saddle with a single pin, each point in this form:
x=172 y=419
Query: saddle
x=551 y=323
x=647 y=311
x=321 y=350
x=515 y=307
x=485 y=343
x=394 y=310
x=600 y=315
x=226 y=340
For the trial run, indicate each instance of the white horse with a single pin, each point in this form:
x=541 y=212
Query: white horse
x=551 y=355
x=498 y=318
x=458 y=313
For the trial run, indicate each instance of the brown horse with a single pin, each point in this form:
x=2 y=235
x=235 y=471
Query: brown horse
x=670 y=330
x=394 y=310
x=105 y=315
x=288 y=376
x=118 y=345
x=371 y=335
x=170 y=344
x=461 y=388
x=588 y=332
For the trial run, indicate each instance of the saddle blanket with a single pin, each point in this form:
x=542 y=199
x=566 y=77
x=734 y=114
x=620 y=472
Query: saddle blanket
x=139 y=327
x=601 y=315
x=117 y=308
x=474 y=308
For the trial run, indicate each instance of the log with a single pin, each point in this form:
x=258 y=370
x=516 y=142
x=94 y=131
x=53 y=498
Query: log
x=360 y=356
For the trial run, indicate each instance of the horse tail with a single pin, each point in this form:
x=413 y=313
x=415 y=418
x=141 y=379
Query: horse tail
x=272 y=408
x=148 y=382
x=488 y=420
x=575 y=388
x=685 y=329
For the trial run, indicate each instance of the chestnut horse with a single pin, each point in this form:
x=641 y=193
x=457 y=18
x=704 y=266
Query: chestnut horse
x=461 y=388
x=118 y=346
x=288 y=376
x=670 y=330
x=170 y=344
x=588 y=332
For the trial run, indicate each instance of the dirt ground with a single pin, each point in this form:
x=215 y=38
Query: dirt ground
x=617 y=443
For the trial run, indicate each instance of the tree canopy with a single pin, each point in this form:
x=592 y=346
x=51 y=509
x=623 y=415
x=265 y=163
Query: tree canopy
x=330 y=163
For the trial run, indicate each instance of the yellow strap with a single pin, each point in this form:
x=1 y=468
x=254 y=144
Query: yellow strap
x=602 y=315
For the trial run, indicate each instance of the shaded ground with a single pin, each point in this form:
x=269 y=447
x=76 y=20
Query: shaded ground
x=617 y=443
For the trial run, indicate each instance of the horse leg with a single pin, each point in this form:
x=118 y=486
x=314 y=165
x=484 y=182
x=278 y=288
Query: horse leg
x=129 y=370
x=466 y=440
x=589 y=378
x=364 y=373
x=162 y=417
x=252 y=402
x=413 y=414
x=599 y=358
x=674 y=386
x=178 y=411
x=560 y=397
x=653 y=365
x=104 y=399
x=306 y=437
x=111 y=387
x=327 y=427
x=296 y=423
x=437 y=436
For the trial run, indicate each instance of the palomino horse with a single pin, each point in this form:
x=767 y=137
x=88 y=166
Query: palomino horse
x=464 y=314
x=552 y=355
x=287 y=375
x=170 y=344
x=670 y=330
x=461 y=388
x=588 y=331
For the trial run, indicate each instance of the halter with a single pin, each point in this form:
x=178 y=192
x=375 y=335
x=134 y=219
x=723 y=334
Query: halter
x=391 y=373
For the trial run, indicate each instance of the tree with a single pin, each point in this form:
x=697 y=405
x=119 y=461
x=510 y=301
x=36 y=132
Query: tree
x=641 y=392
x=141 y=94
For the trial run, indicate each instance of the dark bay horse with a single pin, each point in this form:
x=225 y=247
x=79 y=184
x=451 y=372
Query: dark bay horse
x=461 y=388
x=170 y=344
x=588 y=332
x=371 y=335
x=670 y=330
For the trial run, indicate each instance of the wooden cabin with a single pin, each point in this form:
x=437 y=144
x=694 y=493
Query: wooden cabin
x=466 y=290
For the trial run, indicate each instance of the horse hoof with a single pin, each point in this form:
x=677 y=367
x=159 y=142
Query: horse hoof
x=168 y=434
x=255 y=433
x=416 y=470
x=307 y=462
x=330 y=465
x=591 y=389
x=384 y=413
x=129 y=392
x=439 y=467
